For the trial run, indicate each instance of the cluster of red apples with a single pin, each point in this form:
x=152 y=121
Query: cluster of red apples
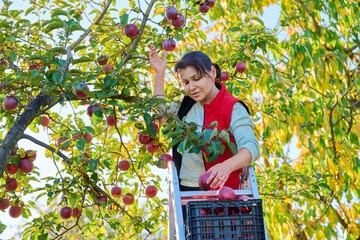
x=116 y=193
x=25 y=164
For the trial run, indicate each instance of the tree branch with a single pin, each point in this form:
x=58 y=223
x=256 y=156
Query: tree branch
x=44 y=145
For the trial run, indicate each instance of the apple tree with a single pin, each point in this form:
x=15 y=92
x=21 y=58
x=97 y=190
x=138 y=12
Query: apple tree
x=92 y=58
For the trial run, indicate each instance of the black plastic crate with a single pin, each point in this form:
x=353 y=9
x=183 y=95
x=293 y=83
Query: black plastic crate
x=225 y=219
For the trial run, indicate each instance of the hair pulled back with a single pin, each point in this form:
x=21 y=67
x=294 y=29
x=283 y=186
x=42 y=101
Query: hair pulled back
x=200 y=61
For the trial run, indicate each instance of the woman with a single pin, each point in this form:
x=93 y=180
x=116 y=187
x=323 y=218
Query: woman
x=207 y=100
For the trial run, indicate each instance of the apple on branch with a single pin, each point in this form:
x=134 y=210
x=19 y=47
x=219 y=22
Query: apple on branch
x=128 y=198
x=10 y=103
x=171 y=12
x=79 y=91
x=240 y=67
x=65 y=213
x=15 y=211
x=131 y=30
x=103 y=60
x=4 y=203
x=116 y=191
x=124 y=165
x=204 y=8
x=11 y=184
x=90 y=110
x=179 y=21
x=45 y=121
x=150 y=191
x=169 y=45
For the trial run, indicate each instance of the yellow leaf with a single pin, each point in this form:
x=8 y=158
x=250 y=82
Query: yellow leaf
x=332 y=166
x=159 y=10
x=346 y=166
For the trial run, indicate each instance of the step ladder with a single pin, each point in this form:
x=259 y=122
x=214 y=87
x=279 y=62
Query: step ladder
x=177 y=198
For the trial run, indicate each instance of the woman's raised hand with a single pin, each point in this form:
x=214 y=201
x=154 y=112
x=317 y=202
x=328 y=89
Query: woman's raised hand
x=159 y=64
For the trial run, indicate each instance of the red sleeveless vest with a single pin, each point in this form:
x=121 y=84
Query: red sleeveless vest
x=220 y=110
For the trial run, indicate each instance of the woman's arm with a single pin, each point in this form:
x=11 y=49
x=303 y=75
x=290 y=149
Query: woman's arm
x=159 y=65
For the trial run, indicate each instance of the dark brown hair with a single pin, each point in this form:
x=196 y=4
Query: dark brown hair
x=200 y=61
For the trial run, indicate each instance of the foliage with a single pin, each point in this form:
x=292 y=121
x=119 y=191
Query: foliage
x=303 y=87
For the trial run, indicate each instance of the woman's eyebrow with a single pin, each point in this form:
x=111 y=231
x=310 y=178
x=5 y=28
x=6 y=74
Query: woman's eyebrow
x=184 y=79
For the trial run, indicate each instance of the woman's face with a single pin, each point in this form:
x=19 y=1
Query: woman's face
x=200 y=88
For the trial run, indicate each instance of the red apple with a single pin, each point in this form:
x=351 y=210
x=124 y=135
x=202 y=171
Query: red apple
x=11 y=184
x=150 y=191
x=151 y=148
x=65 y=213
x=169 y=45
x=111 y=120
x=11 y=168
x=108 y=68
x=30 y=154
x=226 y=193
x=10 y=103
x=45 y=121
x=144 y=139
x=128 y=198
x=202 y=181
x=131 y=30
x=90 y=110
x=219 y=211
x=244 y=210
x=15 y=211
x=116 y=191
x=225 y=76
x=102 y=60
x=79 y=93
x=26 y=165
x=171 y=12
x=204 y=8
x=211 y=3
x=4 y=203
x=240 y=67
x=75 y=212
x=88 y=137
x=124 y=165
x=167 y=158
x=205 y=212
x=101 y=199
x=179 y=21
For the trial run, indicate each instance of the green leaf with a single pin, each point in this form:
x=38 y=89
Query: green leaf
x=173 y=134
x=80 y=143
x=33 y=127
x=232 y=147
x=89 y=214
x=2 y=227
x=12 y=56
x=37 y=57
x=82 y=59
x=58 y=50
x=124 y=19
x=207 y=134
x=59 y=12
x=93 y=164
x=354 y=139
x=54 y=25
x=174 y=142
x=43 y=236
